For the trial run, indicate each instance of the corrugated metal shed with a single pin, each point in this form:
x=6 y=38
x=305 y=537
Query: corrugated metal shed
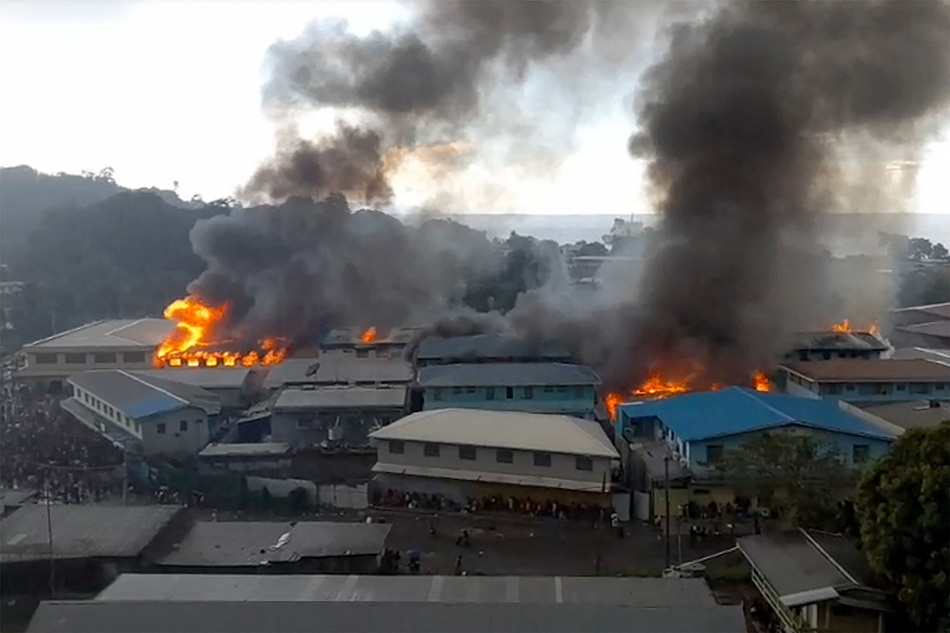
x=82 y=531
x=502 y=429
x=339 y=370
x=202 y=377
x=252 y=543
x=632 y=592
x=863 y=370
x=698 y=416
x=488 y=346
x=390 y=617
x=340 y=398
x=144 y=396
x=506 y=374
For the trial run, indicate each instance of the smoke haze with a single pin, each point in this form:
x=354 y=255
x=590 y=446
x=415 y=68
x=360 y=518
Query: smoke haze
x=754 y=118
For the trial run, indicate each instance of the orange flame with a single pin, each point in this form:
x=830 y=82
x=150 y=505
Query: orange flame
x=842 y=328
x=762 y=382
x=196 y=328
x=657 y=388
x=369 y=336
x=874 y=330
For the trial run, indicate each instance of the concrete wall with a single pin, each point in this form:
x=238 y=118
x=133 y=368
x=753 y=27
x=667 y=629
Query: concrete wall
x=171 y=439
x=306 y=428
x=562 y=466
x=579 y=400
x=844 y=443
x=71 y=362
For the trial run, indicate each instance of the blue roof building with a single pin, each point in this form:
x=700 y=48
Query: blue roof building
x=700 y=426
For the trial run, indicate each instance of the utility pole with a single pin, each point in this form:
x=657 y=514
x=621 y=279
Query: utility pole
x=125 y=471
x=600 y=527
x=49 y=532
x=666 y=477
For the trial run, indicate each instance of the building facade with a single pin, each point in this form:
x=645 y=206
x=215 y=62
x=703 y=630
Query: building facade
x=468 y=454
x=487 y=348
x=112 y=344
x=879 y=381
x=818 y=346
x=553 y=388
x=148 y=415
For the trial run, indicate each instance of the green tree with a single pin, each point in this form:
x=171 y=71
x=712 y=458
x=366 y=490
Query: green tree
x=803 y=474
x=904 y=507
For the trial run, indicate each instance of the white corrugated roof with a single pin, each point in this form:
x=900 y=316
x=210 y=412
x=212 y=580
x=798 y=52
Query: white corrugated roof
x=502 y=429
x=488 y=476
x=340 y=398
x=111 y=334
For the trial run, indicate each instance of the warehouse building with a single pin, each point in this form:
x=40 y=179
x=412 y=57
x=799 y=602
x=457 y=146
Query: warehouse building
x=337 y=415
x=339 y=370
x=488 y=348
x=464 y=454
x=828 y=345
x=554 y=388
x=367 y=342
x=869 y=382
x=235 y=387
x=151 y=415
x=112 y=344
x=395 y=603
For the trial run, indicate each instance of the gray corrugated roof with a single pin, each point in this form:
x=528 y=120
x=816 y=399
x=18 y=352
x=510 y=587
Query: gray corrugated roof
x=488 y=346
x=10 y=497
x=838 y=341
x=632 y=592
x=330 y=369
x=790 y=563
x=142 y=396
x=202 y=377
x=393 y=617
x=250 y=543
x=842 y=552
x=506 y=374
x=235 y=450
x=81 y=531
x=340 y=398
x=116 y=334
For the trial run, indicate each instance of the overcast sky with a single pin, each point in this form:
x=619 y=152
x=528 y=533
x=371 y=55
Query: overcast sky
x=168 y=91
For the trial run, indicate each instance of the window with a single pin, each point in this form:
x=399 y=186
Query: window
x=561 y=389
x=528 y=393
x=939 y=386
x=362 y=353
x=382 y=353
x=548 y=389
x=430 y=450
x=713 y=453
x=467 y=452
x=160 y=428
x=509 y=392
x=138 y=427
x=584 y=463
x=133 y=357
x=849 y=386
x=76 y=359
x=183 y=426
x=826 y=355
x=304 y=423
x=46 y=359
x=396 y=447
x=504 y=456
x=489 y=393
x=470 y=390
x=104 y=357
x=803 y=354
x=919 y=387
x=901 y=386
x=456 y=391
x=437 y=393
x=859 y=453
x=579 y=391
x=833 y=389
x=542 y=459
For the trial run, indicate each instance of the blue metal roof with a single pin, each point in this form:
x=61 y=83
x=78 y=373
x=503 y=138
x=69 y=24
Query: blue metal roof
x=735 y=410
x=153 y=405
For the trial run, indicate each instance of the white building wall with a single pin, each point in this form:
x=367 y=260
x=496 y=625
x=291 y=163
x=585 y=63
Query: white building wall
x=68 y=362
x=171 y=438
x=562 y=466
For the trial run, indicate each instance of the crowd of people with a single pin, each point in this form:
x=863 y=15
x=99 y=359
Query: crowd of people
x=494 y=503
x=45 y=449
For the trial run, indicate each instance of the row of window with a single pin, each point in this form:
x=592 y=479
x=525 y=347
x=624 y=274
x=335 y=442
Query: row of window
x=527 y=393
x=859 y=453
x=502 y=455
x=108 y=411
x=76 y=358
x=161 y=427
x=875 y=388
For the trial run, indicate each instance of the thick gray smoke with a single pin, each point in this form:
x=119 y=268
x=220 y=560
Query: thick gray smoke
x=740 y=122
x=419 y=86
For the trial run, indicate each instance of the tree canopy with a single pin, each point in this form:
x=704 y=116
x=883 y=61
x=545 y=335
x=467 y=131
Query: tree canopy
x=904 y=508
x=804 y=475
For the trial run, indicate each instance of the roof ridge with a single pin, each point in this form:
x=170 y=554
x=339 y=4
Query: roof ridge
x=828 y=557
x=756 y=397
x=153 y=386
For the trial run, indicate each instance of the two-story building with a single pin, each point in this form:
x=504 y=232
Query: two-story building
x=341 y=415
x=828 y=345
x=690 y=433
x=146 y=414
x=868 y=382
x=367 y=342
x=488 y=348
x=530 y=387
x=464 y=454
x=111 y=344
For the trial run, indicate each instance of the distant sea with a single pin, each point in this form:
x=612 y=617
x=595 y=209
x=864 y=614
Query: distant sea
x=843 y=234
